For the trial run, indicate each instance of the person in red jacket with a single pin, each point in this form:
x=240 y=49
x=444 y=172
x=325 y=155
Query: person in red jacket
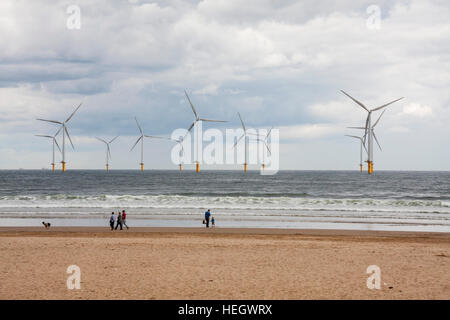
x=124 y=218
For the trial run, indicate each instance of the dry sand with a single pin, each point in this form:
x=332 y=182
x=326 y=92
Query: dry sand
x=180 y=263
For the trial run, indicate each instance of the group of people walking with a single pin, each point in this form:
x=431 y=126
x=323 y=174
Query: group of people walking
x=121 y=220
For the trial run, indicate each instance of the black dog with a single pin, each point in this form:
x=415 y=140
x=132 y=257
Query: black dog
x=46 y=224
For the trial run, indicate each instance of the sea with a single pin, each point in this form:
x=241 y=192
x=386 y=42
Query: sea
x=350 y=200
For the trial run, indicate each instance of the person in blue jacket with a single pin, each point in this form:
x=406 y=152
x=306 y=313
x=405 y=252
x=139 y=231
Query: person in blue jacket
x=207 y=215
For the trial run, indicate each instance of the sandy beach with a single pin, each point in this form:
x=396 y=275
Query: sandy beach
x=194 y=263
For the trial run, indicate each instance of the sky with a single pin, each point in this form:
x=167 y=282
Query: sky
x=279 y=64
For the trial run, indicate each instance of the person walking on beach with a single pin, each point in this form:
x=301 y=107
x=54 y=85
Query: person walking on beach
x=213 y=222
x=207 y=215
x=119 y=221
x=112 y=220
x=124 y=218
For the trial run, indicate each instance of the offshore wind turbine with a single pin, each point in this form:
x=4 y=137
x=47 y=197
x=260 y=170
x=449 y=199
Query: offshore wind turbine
x=108 y=150
x=264 y=141
x=180 y=142
x=141 y=139
x=244 y=135
x=64 y=132
x=362 y=145
x=197 y=119
x=369 y=134
x=54 y=142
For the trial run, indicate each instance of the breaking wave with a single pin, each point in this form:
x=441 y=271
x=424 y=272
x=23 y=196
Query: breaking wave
x=224 y=202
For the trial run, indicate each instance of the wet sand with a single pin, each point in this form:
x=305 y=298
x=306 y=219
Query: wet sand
x=196 y=263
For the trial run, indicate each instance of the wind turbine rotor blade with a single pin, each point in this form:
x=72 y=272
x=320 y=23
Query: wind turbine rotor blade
x=180 y=143
x=268 y=133
x=268 y=149
x=56 y=142
x=139 y=139
x=376 y=140
x=379 y=118
x=242 y=122
x=140 y=129
x=101 y=140
x=57 y=132
x=70 y=117
x=353 y=137
x=68 y=136
x=53 y=121
x=182 y=148
x=41 y=135
x=364 y=145
x=385 y=105
x=190 y=128
x=367 y=124
x=209 y=120
x=108 y=150
x=363 y=128
x=238 y=140
x=176 y=140
x=363 y=106
x=156 y=137
x=192 y=106
x=114 y=139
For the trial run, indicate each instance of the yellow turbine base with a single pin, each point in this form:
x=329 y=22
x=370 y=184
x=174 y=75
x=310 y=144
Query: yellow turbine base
x=142 y=167
x=245 y=167
x=181 y=167
x=263 y=166
x=63 y=166
x=197 y=168
x=369 y=167
x=361 y=168
x=53 y=167
x=107 y=167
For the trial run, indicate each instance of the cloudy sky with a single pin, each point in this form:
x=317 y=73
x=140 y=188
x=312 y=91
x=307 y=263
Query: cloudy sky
x=278 y=63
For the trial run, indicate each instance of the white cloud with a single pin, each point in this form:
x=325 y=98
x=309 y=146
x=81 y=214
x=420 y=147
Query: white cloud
x=417 y=110
x=309 y=131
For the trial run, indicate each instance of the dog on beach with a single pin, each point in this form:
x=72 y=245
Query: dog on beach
x=46 y=224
